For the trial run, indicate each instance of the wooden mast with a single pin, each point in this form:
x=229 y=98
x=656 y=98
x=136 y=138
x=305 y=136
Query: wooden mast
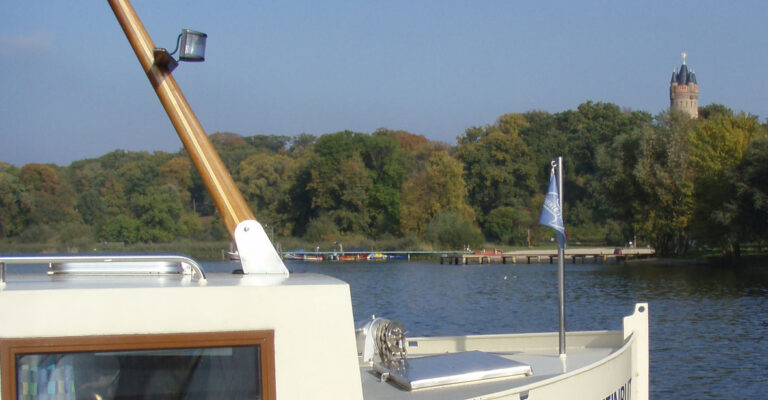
x=257 y=254
x=228 y=199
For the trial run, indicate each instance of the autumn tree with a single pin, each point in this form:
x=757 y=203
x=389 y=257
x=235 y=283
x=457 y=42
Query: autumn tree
x=47 y=204
x=46 y=199
x=178 y=172
x=438 y=189
x=11 y=218
x=718 y=147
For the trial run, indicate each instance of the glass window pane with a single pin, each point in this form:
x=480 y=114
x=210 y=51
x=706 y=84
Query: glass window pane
x=193 y=373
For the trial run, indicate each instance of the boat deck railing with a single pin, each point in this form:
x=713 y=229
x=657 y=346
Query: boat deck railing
x=100 y=265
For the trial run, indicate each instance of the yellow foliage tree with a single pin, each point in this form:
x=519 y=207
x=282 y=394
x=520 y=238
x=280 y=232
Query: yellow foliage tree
x=438 y=189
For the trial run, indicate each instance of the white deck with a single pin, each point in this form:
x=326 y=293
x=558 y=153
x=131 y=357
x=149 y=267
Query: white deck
x=588 y=349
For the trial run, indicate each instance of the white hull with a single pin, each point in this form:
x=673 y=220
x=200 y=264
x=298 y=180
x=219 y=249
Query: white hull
x=315 y=350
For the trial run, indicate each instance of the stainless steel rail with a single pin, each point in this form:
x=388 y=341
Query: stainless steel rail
x=164 y=264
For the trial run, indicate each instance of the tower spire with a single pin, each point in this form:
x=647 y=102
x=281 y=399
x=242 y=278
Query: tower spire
x=684 y=90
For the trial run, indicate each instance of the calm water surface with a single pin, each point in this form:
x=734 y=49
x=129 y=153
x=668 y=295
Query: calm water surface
x=709 y=325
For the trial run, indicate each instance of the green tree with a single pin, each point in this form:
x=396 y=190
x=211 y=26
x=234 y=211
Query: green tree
x=85 y=175
x=388 y=168
x=158 y=212
x=301 y=145
x=665 y=175
x=138 y=176
x=91 y=207
x=190 y=225
x=617 y=184
x=120 y=228
x=713 y=109
x=509 y=225
x=751 y=195
x=265 y=179
x=355 y=179
x=322 y=229
x=452 y=231
x=497 y=166
x=344 y=196
x=580 y=136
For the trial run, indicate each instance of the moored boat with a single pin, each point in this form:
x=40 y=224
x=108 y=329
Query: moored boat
x=377 y=257
x=302 y=255
x=157 y=326
x=293 y=257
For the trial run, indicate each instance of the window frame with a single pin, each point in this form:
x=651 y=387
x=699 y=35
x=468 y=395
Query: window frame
x=11 y=347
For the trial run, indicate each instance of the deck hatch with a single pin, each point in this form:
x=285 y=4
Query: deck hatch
x=454 y=368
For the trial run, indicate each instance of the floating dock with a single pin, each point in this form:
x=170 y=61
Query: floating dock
x=599 y=254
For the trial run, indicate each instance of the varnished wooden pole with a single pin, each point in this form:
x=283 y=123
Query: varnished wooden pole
x=228 y=199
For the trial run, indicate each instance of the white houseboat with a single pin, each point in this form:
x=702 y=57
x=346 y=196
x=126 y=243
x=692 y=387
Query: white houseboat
x=159 y=327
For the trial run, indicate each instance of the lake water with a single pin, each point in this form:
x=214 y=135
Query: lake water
x=708 y=325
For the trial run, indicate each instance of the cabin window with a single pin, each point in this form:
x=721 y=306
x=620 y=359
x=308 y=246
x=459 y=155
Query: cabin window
x=223 y=365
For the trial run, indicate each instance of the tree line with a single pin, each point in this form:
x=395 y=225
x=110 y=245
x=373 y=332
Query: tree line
x=667 y=181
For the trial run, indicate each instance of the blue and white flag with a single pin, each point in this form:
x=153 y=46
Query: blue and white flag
x=551 y=214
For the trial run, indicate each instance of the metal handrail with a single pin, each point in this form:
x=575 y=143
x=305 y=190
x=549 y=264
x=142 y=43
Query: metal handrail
x=108 y=265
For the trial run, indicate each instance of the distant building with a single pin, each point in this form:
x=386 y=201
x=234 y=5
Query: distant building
x=684 y=91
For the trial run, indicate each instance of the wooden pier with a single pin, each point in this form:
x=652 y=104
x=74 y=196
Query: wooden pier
x=599 y=254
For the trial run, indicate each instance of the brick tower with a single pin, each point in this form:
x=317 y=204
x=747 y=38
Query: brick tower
x=684 y=91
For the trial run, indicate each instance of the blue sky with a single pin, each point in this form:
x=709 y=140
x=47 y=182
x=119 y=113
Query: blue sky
x=72 y=88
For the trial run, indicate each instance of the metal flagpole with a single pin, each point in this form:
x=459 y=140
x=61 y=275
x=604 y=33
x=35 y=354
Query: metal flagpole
x=560 y=261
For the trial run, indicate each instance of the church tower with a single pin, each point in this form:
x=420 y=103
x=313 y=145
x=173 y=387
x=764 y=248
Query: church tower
x=684 y=91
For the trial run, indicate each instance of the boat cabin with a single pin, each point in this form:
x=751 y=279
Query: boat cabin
x=151 y=327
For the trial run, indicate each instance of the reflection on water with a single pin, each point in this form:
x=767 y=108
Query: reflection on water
x=709 y=325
